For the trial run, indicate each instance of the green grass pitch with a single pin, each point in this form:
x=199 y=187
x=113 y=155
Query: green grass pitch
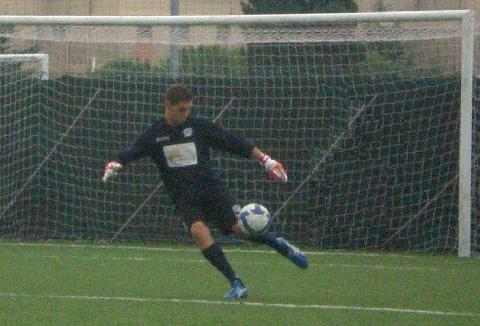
x=88 y=284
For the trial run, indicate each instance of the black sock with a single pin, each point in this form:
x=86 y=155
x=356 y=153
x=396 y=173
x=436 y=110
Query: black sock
x=214 y=254
x=270 y=239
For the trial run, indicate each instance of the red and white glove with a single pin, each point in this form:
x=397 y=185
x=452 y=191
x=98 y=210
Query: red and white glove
x=111 y=168
x=275 y=169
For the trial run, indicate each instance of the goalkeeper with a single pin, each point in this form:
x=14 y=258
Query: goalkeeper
x=180 y=146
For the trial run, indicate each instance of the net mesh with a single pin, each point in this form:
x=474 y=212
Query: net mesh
x=365 y=117
x=476 y=148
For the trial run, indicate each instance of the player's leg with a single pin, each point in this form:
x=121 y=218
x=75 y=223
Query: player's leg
x=211 y=250
x=281 y=245
x=220 y=212
x=201 y=235
x=226 y=218
x=215 y=255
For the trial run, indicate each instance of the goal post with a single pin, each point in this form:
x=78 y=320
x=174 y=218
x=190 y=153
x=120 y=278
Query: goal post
x=231 y=20
x=466 y=136
x=41 y=58
x=370 y=112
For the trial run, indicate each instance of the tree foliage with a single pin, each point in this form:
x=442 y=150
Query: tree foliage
x=7 y=69
x=259 y=7
x=276 y=60
x=5 y=47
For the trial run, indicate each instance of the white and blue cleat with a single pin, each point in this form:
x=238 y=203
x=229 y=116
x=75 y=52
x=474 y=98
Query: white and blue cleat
x=294 y=254
x=238 y=290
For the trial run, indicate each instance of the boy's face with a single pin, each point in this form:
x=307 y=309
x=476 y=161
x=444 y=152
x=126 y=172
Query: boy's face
x=178 y=113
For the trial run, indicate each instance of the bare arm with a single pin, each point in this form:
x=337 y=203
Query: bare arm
x=257 y=154
x=275 y=169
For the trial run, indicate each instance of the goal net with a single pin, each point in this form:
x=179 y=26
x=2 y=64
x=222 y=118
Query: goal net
x=476 y=148
x=20 y=97
x=363 y=110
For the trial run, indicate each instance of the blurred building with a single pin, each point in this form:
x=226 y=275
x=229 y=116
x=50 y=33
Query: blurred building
x=84 y=57
x=195 y=7
x=118 y=7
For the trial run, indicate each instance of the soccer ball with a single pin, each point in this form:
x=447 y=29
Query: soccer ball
x=254 y=219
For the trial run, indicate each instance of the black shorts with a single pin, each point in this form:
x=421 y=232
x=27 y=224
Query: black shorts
x=211 y=206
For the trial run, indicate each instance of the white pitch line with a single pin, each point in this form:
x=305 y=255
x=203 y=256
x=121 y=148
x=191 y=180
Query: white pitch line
x=85 y=257
x=139 y=259
x=201 y=261
x=242 y=303
x=167 y=249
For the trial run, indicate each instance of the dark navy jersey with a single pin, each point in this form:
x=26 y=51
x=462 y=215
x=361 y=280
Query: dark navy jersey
x=182 y=154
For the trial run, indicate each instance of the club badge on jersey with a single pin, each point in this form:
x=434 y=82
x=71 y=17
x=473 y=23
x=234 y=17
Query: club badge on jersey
x=187 y=132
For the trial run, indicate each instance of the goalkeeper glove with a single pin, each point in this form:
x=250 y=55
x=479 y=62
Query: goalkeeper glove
x=111 y=168
x=275 y=169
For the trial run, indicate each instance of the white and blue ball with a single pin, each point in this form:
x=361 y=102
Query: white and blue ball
x=254 y=219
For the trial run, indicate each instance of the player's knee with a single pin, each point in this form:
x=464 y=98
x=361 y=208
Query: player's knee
x=199 y=230
x=201 y=234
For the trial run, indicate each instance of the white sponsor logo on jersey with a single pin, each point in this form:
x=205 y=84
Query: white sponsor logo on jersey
x=187 y=132
x=181 y=155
